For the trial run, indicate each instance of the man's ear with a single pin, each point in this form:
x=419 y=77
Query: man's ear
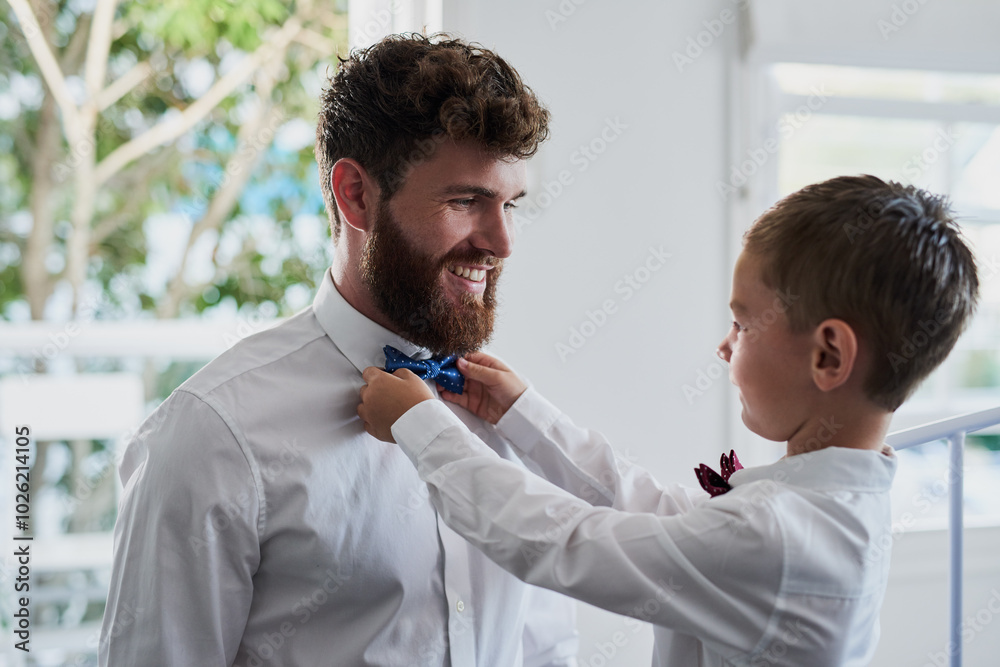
x=835 y=352
x=356 y=193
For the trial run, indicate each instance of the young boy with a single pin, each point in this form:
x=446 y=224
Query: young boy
x=783 y=564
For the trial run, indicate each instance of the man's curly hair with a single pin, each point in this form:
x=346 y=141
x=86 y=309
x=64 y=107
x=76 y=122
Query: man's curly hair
x=390 y=105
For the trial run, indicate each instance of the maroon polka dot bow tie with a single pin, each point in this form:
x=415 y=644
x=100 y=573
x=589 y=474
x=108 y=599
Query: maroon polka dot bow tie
x=712 y=481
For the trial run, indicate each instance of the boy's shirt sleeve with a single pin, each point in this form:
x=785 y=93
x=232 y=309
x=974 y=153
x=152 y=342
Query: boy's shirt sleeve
x=711 y=572
x=584 y=463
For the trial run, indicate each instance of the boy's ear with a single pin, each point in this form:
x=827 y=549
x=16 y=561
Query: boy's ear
x=835 y=352
x=356 y=193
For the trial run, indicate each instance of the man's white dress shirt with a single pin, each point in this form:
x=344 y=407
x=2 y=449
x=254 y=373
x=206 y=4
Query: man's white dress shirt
x=261 y=525
x=787 y=568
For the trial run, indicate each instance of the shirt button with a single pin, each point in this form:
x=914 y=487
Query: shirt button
x=460 y=606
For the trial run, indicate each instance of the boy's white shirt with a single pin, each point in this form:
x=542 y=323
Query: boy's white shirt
x=787 y=568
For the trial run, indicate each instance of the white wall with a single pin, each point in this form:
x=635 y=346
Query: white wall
x=652 y=187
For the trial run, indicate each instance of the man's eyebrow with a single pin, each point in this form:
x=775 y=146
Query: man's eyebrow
x=737 y=307
x=460 y=189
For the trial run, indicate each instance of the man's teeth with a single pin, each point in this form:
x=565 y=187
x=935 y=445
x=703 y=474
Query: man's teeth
x=475 y=275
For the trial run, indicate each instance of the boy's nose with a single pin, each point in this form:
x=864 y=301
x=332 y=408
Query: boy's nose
x=724 y=350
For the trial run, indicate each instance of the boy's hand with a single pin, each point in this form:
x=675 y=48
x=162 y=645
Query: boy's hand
x=490 y=387
x=386 y=397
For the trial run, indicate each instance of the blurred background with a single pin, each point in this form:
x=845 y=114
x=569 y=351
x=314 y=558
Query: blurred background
x=159 y=202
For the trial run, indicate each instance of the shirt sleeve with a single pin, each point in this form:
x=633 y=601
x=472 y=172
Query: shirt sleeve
x=713 y=572
x=186 y=543
x=583 y=463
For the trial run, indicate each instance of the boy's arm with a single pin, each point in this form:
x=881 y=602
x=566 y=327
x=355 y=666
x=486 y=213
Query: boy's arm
x=574 y=459
x=584 y=463
x=710 y=572
x=186 y=543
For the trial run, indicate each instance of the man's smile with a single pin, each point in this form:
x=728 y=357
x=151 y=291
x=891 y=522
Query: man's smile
x=468 y=278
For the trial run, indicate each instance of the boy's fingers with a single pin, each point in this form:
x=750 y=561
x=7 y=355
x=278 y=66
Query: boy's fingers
x=474 y=371
x=486 y=360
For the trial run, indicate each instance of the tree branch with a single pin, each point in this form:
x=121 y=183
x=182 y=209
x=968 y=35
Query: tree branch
x=136 y=181
x=174 y=127
x=316 y=41
x=122 y=85
x=72 y=54
x=99 y=46
x=239 y=168
x=47 y=64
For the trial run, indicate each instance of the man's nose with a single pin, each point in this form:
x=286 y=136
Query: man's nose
x=495 y=232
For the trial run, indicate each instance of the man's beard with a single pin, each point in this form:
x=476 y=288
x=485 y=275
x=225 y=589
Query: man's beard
x=407 y=288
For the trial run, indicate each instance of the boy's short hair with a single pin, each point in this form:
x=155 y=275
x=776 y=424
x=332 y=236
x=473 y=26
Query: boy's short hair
x=886 y=258
x=390 y=105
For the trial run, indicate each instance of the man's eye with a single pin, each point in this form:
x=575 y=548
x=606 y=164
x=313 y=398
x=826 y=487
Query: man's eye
x=510 y=205
x=737 y=327
x=464 y=203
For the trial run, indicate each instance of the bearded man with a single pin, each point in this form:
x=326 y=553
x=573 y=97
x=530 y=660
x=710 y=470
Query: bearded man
x=260 y=524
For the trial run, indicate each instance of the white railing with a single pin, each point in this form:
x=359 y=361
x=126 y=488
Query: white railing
x=953 y=430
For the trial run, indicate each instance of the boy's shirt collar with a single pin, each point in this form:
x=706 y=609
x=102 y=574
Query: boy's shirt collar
x=832 y=468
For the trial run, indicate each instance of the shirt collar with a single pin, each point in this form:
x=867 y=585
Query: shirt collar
x=359 y=339
x=833 y=468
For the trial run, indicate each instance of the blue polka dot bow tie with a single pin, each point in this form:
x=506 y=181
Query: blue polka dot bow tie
x=712 y=481
x=440 y=369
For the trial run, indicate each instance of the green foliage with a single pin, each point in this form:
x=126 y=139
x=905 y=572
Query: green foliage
x=990 y=441
x=195 y=26
x=172 y=36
